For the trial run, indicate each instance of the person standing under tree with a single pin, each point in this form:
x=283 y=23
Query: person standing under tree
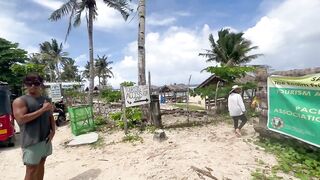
x=237 y=109
x=33 y=113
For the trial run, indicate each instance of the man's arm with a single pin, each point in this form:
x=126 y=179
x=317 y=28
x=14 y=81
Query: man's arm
x=241 y=104
x=53 y=127
x=20 y=111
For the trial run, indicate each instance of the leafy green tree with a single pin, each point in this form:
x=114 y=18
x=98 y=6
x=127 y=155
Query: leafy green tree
x=19 y=71
x=74 y=8
x=127 y=83
x=10 y=54
x=52 y=53
x=70 y=70
x=103 y=70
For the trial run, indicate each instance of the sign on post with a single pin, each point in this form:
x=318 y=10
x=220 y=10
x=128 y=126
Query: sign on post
x=294 y=108
x=55 y=92
x=136 y=95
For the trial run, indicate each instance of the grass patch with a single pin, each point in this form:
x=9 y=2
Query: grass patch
x=292 y=158
x=100 y=143
x=191 y=107
x=151 y=129
x=263 y=175
x=132 y=138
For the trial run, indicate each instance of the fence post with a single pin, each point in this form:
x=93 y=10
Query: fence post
x=124 y=117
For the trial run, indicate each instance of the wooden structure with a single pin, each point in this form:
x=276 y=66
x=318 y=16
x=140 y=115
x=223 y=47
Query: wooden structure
x=174 y=92
x=222 y=102
x=213 y=79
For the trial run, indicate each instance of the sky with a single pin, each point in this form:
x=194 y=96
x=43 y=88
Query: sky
x=286 y=31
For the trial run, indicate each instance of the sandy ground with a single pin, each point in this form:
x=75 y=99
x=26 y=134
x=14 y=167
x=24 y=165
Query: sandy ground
x=210 y=146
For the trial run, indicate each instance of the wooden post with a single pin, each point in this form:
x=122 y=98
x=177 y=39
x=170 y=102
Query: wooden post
x=150 y=92
x=124 y=117
x=215 y=98
x=188 y=98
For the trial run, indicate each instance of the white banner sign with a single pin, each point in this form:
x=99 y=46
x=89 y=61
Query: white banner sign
x=136 y=95
x=55 y=92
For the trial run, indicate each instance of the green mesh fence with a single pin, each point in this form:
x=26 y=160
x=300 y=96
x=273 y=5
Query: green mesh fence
x=81 y=118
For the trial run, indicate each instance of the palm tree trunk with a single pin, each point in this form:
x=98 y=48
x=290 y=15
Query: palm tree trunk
x=90 y=34
x=58 y=72
x=141 y=44
x=104 y=80
x=230 y=63
x=141 y=54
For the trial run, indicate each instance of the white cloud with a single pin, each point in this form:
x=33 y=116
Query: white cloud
x=50 y=4
x=160 y=21
x=108 y=18
x=183 y=13
x=81 y=60
x=170 y=57
x=288 y=35
x=21 y=33
x=15 y=30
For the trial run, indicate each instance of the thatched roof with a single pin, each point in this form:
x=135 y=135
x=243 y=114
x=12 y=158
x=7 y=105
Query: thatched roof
x=213 y=79
x=174 y=88
x=297 y=72
x=155 y=88
x=245 y=79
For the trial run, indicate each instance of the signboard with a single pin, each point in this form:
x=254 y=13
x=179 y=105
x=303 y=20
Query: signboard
x=55 y=92
x=294 y=107
x=136 y=95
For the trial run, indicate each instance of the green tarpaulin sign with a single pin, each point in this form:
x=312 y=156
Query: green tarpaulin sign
x=294 y=107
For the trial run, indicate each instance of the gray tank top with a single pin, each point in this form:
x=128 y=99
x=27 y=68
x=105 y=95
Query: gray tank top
x=37 y=130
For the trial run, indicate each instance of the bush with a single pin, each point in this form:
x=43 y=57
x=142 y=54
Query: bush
x=293 y=158
x=111 y=95
x=133 y=117
x=99 y=120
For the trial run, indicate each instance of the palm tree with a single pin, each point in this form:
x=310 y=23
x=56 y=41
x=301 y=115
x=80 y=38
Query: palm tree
x=70 y=70
x=52 y=53
x=103 y=70
x=36 y=58
x=141 y=44
x=230 y=49
x=86 y=71
x=74 y=8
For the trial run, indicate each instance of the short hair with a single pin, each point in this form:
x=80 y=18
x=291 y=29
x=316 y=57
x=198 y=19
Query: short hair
x=32 y=77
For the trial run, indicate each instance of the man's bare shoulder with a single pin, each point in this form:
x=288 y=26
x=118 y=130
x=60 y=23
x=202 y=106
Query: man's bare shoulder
x=18 y=102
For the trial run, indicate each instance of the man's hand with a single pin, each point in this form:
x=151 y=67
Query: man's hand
x=51 y=135
x=47 y=106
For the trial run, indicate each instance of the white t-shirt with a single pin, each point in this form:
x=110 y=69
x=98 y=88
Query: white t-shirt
x=235 y=105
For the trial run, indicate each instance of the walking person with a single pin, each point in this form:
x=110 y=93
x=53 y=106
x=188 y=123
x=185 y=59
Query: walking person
x=33 y=112
x=237 y=109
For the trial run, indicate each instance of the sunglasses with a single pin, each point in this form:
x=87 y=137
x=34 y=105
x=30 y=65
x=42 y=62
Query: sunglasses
x=36 y=83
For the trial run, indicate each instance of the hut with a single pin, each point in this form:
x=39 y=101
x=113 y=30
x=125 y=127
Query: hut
x=213 y=80
x=173 y=93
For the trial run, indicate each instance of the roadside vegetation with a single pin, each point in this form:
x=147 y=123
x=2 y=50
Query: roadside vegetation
x=293 y=158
